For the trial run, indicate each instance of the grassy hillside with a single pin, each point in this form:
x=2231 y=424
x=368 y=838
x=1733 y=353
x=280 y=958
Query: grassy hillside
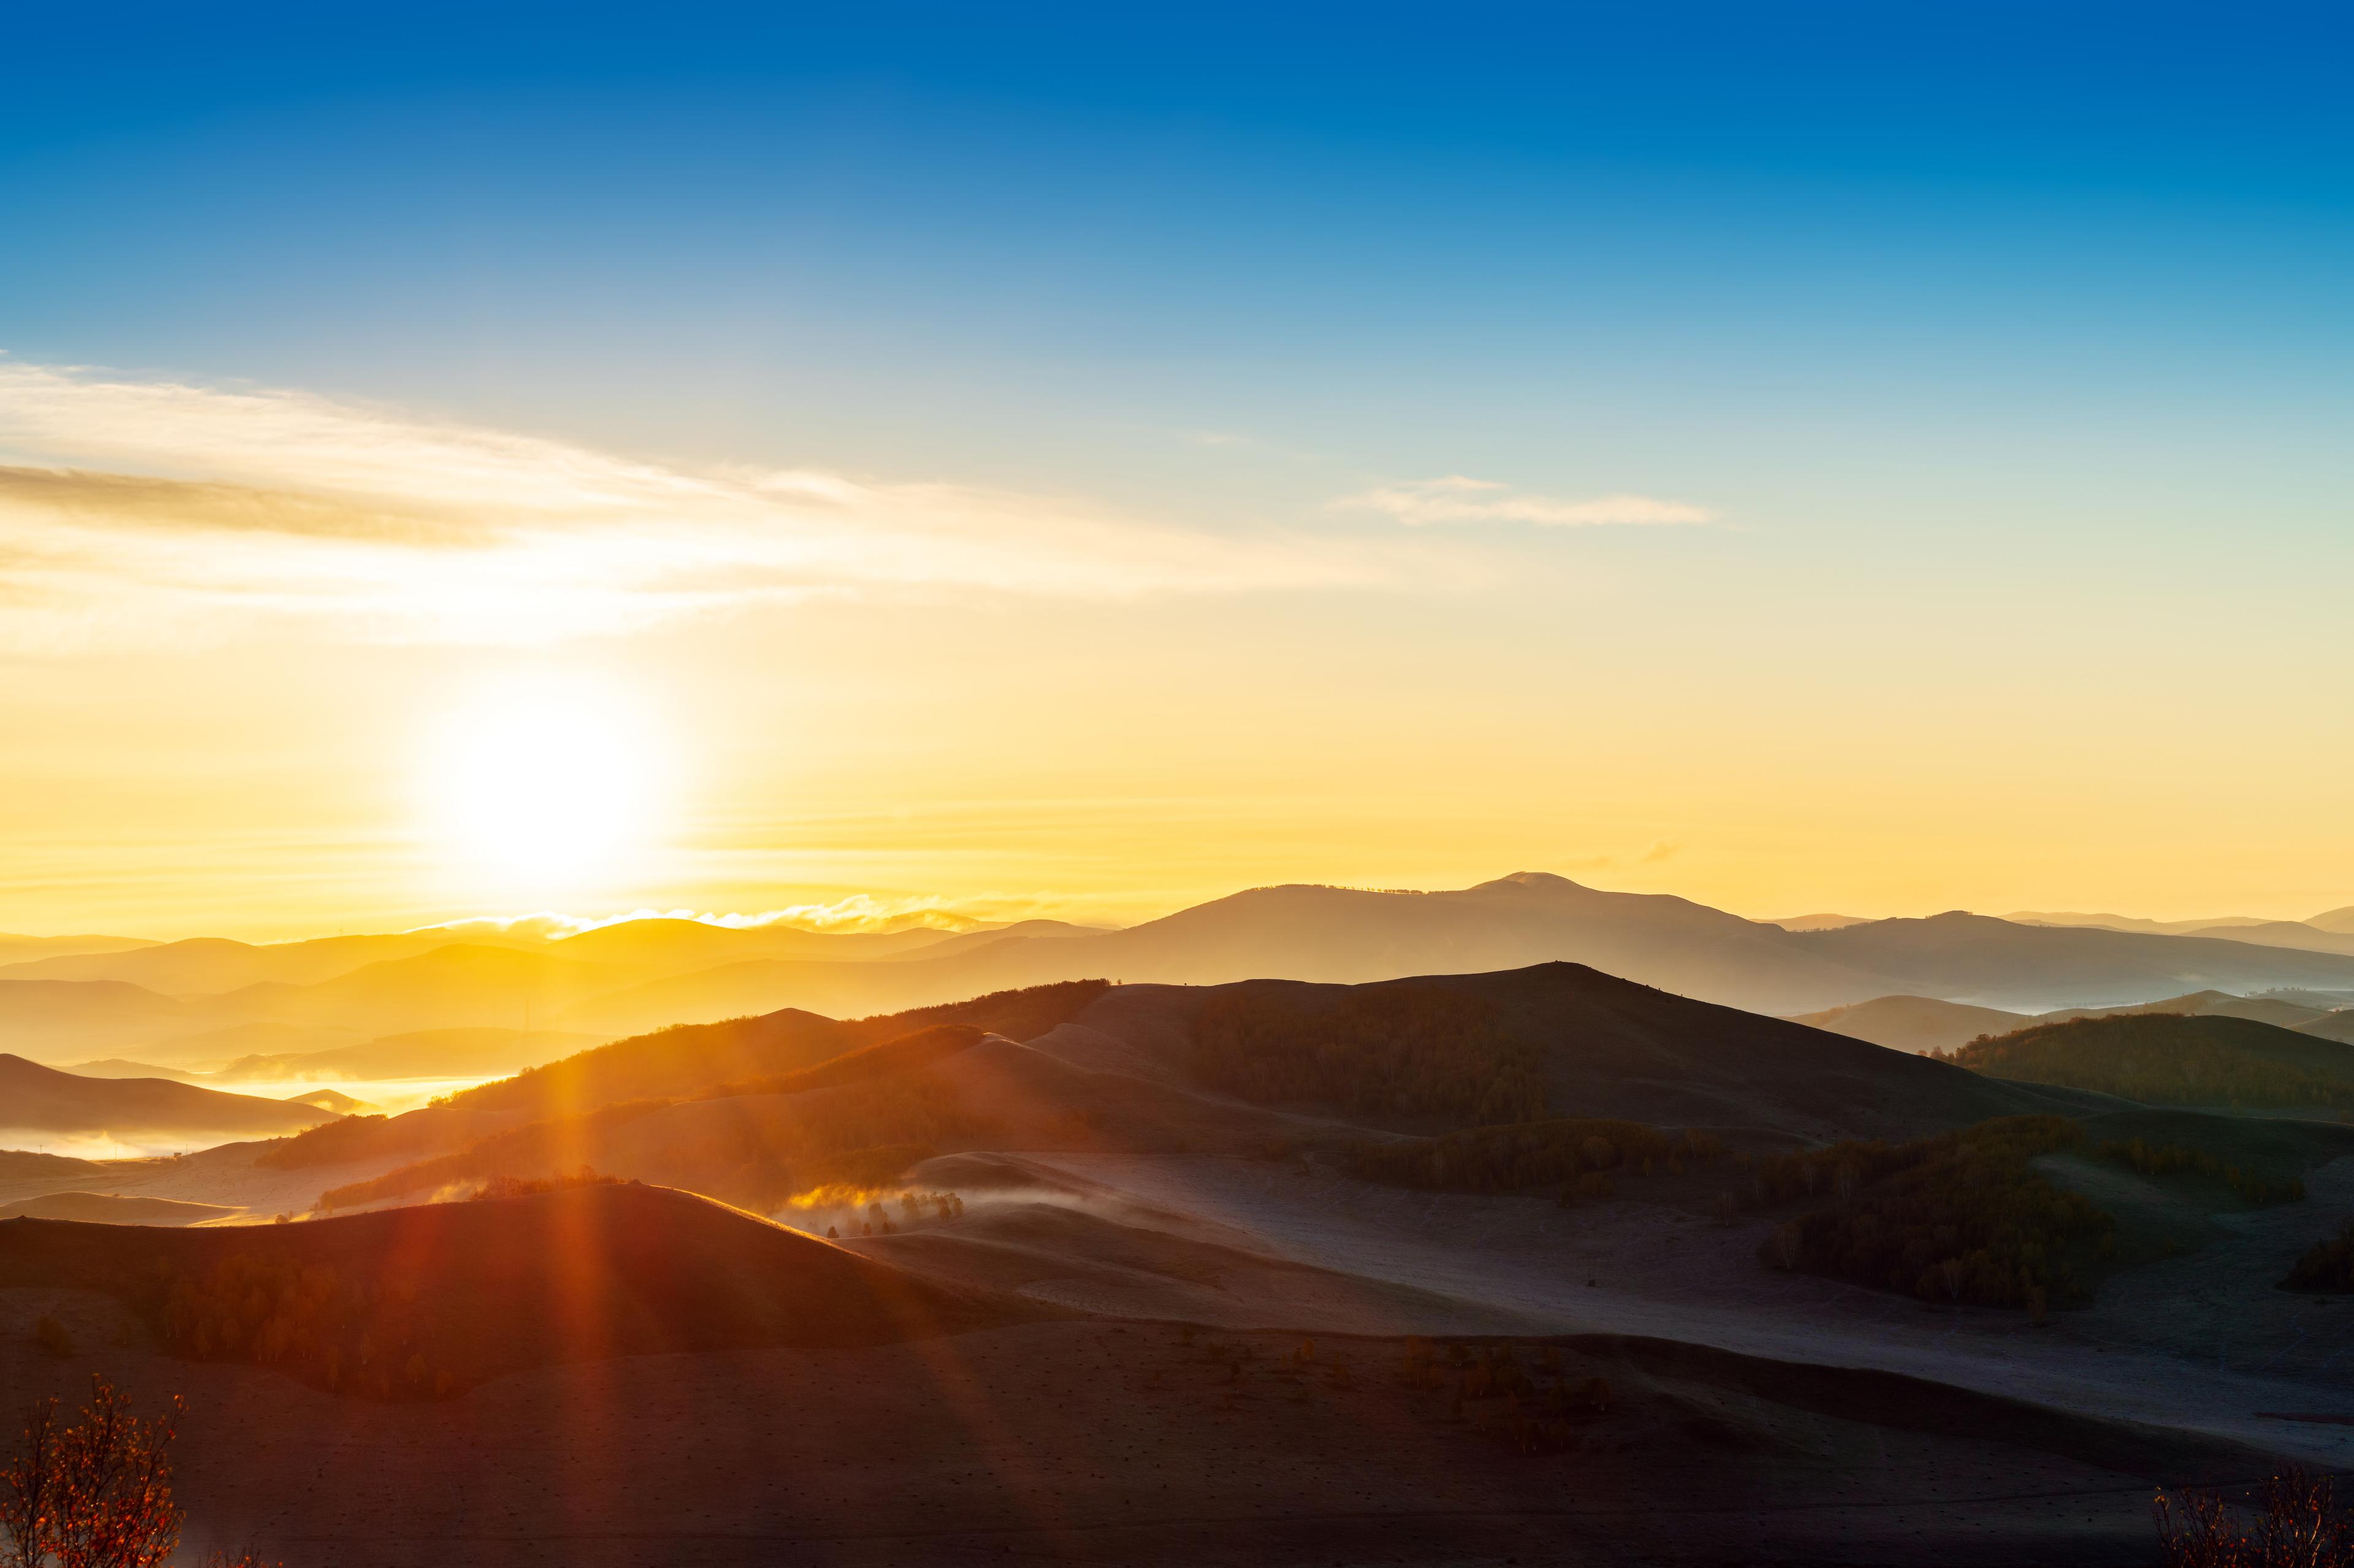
x=2165 y=1059
x=858 y=1121
x=426 y=1301
x=668 y=1065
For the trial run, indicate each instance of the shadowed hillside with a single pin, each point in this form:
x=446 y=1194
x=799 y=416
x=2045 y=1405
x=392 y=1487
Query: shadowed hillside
x=419 y=1302
x=1158 y=1069
x=1602 y=1047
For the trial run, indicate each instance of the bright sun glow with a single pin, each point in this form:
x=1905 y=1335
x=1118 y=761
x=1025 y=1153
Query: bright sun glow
x=546 y=783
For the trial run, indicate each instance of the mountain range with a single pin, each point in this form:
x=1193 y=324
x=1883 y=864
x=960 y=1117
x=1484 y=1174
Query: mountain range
x=205 y=1003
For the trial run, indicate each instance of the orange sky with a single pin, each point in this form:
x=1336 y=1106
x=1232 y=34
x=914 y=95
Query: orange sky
x=277 y=664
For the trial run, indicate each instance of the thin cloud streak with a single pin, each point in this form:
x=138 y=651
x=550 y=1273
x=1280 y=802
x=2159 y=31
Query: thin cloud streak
x=139 y=509
x=1457 y=498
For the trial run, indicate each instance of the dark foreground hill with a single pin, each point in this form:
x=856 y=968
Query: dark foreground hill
x=2172 y=1060
x=34 y=1098
x=420 y=1302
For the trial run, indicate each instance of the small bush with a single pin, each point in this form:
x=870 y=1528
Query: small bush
x=2293 y=1522
x=2328 y=1264
x=51 y=1336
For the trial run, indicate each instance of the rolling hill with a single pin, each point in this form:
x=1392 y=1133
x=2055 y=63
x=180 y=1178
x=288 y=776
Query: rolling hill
x=2337 y=1026
x=1611 y=1048
x=202 y=966
x=48 y=1017
x=422 y=1302
x=1915 y=1024
x=37 y=1099
x=420 y=1053
x=18 y=949
x=1922 y=1024
x=2170 y=1059
x=452 y=986
x=759 y=1110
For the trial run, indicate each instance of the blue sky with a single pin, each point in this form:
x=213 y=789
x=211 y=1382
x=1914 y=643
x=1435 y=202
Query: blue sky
x=1330 y=228
x=2006 y=347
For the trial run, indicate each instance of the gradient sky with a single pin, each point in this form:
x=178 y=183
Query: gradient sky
x=1869 y=458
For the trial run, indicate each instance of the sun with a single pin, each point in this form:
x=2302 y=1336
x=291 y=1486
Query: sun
x=545 y=782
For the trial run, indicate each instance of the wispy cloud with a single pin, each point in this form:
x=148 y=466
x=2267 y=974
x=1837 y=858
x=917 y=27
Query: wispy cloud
x=134 y=508
x=857 y=912
x=1458 y=498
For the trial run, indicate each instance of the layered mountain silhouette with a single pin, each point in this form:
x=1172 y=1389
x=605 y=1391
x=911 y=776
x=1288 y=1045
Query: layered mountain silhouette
x=198 y=1005
x=1923 y=1023
x=37 y=1099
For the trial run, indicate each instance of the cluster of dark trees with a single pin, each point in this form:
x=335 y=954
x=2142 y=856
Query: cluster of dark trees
x=916 y=1210
x=531 y=1186
x=1561 y=1152
x=1960 y=1217
x=310 y=1319
x=2173 y=1159
x=2326 y=1264
x=2163 y=1058
x=1525 y=1398
x=1401 y=1051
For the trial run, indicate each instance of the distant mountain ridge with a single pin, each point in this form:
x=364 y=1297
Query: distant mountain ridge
x=1924 y=1023
x=37 y=1099
x=635 y=976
